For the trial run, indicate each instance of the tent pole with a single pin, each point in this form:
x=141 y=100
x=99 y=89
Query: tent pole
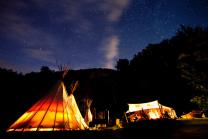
x=126 y=117
x=41 y=104
x=46 y=111
x=55 y=116
x=160 y=107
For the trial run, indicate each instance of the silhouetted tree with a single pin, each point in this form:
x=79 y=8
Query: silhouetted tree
x=122 y=64
x=45 y=69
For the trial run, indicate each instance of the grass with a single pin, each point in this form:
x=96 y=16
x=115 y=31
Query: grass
x=181 y=129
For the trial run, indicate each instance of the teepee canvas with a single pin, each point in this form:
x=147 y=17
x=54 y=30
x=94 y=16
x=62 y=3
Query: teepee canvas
x=88 y=114
x=56 y=111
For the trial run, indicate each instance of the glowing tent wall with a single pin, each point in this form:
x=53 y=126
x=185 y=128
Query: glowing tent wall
x=88 y=114
x=56 y=111
x=149 y=110
x=88 y=117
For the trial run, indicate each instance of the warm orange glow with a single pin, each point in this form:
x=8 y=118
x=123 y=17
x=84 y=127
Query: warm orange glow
x=10 y=130
x=30 y=129
x=154 y=114
x=88 y=116
x=45 y=129
x=47 y=121
x=35 y=121
x=22 y=119
x=150 y=110
x=57 y=111
x=187 y=116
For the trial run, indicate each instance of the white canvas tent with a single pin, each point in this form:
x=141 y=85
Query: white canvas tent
x=152 y=110
x=88 y=114
x=56 y=111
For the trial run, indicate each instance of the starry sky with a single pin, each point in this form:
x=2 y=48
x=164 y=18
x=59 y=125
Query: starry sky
x=88 y=33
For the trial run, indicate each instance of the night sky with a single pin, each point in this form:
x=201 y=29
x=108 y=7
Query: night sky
x=88 y=33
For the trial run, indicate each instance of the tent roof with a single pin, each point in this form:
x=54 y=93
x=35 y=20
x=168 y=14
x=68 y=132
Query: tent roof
x=143 y=106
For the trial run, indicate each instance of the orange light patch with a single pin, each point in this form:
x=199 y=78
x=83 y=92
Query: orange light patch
x=153 y=114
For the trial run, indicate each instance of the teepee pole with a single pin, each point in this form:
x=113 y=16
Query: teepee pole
x=46 y=111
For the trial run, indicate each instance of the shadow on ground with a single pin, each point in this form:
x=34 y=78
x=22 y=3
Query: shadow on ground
x=147 y=130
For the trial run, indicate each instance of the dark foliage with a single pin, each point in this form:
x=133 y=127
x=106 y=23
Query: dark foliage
x=173 y=71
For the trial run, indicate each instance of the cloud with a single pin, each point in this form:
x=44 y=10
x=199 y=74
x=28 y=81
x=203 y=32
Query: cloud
x=114 y=9
x=111 y=51
x=30 y=39
x=79 y=11
x=39 y=54
x=18 y=28
x=37 y=24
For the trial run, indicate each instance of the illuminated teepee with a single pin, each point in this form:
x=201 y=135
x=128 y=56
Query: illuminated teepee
x=88 y=114
x=56 y=111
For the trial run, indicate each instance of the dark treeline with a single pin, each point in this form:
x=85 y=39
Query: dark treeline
x=173 y=71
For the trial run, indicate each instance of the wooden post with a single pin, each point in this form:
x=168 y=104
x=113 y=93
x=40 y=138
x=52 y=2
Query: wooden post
x=126 y=117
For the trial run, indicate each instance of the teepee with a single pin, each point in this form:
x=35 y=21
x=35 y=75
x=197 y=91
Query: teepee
x=88 y=114
x=56 y=111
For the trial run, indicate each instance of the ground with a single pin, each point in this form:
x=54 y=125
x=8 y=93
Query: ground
x=190 y=129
